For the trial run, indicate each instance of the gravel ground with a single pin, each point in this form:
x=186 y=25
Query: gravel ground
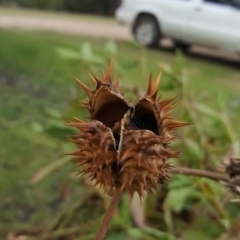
x=66 y=26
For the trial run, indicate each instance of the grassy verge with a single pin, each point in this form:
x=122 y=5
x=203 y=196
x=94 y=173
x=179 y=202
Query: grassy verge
x=34 y=77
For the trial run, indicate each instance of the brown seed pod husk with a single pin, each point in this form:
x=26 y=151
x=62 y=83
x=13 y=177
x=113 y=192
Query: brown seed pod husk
x=125 y=146
x=97 y=152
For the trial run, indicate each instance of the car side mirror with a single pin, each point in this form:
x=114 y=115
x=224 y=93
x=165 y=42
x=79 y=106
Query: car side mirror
x=235 y=3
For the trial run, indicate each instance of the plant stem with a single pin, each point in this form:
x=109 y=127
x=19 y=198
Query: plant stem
x=108 y=216
x=199 y=173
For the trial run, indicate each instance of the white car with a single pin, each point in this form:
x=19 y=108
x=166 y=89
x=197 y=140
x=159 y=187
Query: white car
x=212 y=23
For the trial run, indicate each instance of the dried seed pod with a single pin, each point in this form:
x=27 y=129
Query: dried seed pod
x=233 y=167
x=106 y=104
x=125 y=146
x=145 y=141
x=97 y=152
x=143 y=161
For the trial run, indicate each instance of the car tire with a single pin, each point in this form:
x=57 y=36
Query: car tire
x=181 y=45
x=147 y=31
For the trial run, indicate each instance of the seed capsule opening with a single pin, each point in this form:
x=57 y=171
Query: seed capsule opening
x=108 y=108
x=144 y=116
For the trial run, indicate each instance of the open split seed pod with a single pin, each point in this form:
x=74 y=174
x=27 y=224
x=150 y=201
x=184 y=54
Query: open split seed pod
x=124 y=146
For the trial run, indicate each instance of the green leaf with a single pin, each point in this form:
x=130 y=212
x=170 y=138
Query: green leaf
x=68 y=54
x=195 y=234
x=111 y=47
x=52 y=113
x=37 y=127
x=194 y=149
x=132 y=64
x=179 y=181
x=136 y=233
x=87 y=55
x=226 y=222
x=173 y=82
x=86 y=50
x=59 y=132
x=207 y=111
x=157 y=234
x=176 y=199
x=133 y=44
x=118 y=66
x=118 y=236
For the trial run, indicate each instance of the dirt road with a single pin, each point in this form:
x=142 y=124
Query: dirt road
x=93 y=29
x=66 y=26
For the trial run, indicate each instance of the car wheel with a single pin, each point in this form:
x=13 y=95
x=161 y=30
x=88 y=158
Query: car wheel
x=146 y=31
x=182 y=45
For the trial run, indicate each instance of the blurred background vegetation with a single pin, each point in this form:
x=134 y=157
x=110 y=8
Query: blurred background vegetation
x=41 y=195
x=100 y=7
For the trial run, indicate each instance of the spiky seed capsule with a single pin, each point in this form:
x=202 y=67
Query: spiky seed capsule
x=124 y=146
x=232 y=168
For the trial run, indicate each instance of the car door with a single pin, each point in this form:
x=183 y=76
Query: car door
x=176 y=15
x=215 y=23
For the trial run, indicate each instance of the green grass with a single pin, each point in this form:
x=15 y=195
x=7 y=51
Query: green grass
x=34 y=77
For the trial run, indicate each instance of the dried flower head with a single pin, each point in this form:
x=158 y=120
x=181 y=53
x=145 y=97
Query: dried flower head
x=232 y=168
x=125 y=146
